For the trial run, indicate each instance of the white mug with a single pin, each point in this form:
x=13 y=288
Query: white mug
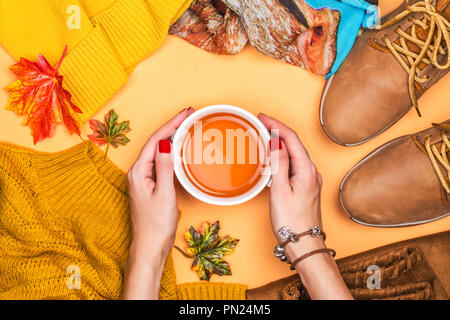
x=178 y=141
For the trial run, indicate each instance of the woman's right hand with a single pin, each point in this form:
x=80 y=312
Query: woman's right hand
x=295 y=203
x=296 y=183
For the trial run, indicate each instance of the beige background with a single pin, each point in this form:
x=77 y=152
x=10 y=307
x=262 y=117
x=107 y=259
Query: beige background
x=180 y=75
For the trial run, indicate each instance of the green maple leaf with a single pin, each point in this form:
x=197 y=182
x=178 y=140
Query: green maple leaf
x=111 y=132
x=208 y=249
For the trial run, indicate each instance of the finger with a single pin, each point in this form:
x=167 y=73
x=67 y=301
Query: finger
x=164 y=166
x=297 y=153
x=165 y=132
x=319 y=179
x=145 y=162
x=279 y=164
x=132 y=176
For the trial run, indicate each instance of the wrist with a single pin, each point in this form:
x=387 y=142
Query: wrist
x=150 y=253
x=143 y=272
x=151 y=241
x=295 y=250
x=310 y=263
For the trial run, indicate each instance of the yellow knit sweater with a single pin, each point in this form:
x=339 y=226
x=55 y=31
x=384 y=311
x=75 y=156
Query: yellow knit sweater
x=106 y=39
x=67 y=212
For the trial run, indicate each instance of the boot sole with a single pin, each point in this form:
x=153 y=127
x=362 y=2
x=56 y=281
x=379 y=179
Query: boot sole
x=347 y=212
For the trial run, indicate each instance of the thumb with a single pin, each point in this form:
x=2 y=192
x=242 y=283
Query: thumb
x=279 y=163
x=164 y=166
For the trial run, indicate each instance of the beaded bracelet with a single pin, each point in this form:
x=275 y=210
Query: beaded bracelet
x=325 y=250
x=287 y=235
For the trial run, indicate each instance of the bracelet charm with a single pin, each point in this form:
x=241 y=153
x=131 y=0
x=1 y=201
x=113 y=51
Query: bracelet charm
x=315 y=231
x=287 y=235
x=279 y=253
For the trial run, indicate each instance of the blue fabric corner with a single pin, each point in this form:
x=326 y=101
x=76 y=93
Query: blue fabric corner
x=354 y=14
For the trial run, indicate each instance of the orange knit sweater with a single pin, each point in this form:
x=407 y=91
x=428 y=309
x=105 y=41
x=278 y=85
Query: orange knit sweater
x=65 y=229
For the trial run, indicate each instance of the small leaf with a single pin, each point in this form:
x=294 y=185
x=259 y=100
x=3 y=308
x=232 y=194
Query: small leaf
x=208 y=250
x=110 y=132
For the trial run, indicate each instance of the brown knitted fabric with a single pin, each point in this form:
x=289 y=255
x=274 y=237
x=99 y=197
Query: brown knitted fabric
x=411 y=291
x=397 y=268
x=405 y=273
x=392 y=265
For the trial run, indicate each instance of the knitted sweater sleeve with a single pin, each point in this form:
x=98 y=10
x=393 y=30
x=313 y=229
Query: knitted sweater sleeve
x=106 y=39
x=64 y=224
x=65 y=229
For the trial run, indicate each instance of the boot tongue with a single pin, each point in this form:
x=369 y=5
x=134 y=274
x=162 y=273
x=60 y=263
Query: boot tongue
x=443 y=7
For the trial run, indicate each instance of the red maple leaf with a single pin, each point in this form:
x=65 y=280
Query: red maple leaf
x=40 y=96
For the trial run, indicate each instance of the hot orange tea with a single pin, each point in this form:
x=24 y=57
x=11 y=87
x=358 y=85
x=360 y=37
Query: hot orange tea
x=223 y=155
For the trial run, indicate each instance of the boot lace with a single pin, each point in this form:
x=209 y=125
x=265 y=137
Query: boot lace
x=441 y=157
x=438 y=27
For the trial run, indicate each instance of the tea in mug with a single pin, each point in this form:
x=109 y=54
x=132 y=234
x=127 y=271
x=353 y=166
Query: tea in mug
x=223 y=155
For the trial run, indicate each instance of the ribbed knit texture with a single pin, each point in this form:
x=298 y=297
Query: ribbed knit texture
x=123 y=35
x=214 y=291
x=71 y=209
x=102 y=53
x=133 y=29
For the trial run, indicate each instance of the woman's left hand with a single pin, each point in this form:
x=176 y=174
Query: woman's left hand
x=154 y=211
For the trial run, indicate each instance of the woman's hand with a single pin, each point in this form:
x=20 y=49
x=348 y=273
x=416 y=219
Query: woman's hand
x=154 y=212
x=296 y=183
x=295 y=203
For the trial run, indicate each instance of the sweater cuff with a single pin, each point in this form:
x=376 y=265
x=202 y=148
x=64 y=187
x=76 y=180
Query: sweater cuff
x=211 y=291
x=172 y=10
x=91 y=74
x=123 y=35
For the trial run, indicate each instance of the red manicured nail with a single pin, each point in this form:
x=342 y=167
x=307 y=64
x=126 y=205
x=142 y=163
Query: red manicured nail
x=190 y=109
x=275 y=144
x=164 y=146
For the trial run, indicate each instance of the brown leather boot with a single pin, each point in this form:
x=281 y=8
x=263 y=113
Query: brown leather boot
x=387 y=71
x=416 y=269
x=404 y=182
